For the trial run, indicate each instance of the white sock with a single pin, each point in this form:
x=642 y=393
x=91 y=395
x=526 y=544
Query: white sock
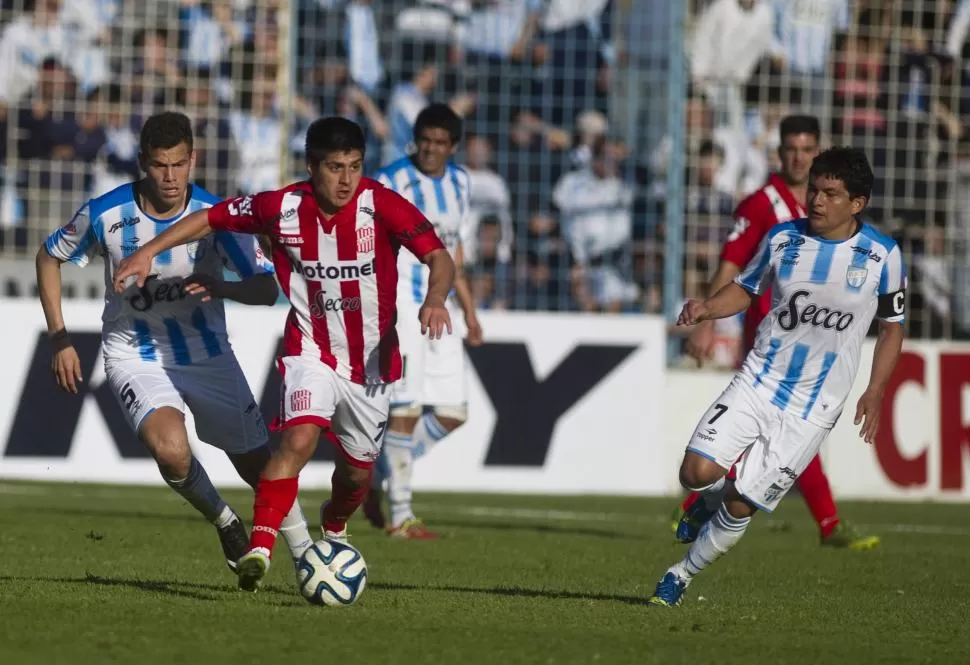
x=294 y=530
x=716 y=537
x=427 y=433
x=713 y=495
x=400 y=465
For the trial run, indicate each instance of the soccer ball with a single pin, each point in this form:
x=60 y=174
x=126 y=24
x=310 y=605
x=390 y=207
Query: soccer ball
x=332 y=573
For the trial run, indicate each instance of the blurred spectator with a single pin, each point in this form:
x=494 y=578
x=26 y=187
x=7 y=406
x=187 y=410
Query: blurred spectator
x=118 y=160
x=730 y=38
x=25 y=43
x=257 y=132
x=215 y=148
x=596 y=211
x=363 y=41
x=211 y=29
x=804 y=34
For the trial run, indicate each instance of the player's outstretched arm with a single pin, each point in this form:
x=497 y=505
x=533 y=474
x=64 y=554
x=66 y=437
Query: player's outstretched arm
x=192 y=227
x=889 y=344
x=701 y=340
x=65 y=364
x=730 y=300
x=433 y=314
x=256 y=290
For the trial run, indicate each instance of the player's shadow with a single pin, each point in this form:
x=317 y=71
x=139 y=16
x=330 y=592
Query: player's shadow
x=511 y=592
x=555 y=529
x=193 y=590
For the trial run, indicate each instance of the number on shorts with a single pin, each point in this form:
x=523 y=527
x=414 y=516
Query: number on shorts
x=721 y=410
x=381 y=428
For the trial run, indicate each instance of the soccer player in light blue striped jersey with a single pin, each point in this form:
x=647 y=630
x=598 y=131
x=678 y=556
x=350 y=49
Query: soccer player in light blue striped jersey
x=830 y=274
x=429 y=401
x=165 y=344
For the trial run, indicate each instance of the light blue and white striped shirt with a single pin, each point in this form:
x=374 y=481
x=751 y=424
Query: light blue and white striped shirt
x=159 y=322
x=444 y=201
x=825 y=294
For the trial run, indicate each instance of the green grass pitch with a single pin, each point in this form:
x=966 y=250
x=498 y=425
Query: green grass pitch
x=99 y=575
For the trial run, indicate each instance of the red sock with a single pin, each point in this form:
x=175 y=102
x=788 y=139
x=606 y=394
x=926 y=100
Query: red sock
x=814 y=487
x=344 y=500
x=274 y=498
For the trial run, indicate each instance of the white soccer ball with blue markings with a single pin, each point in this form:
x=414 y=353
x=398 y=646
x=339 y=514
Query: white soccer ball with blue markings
x=332 y=573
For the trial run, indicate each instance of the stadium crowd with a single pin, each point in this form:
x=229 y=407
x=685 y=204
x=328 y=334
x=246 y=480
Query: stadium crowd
x=566 y=119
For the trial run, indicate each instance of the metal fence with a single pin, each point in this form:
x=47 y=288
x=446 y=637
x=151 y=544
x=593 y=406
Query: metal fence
x=605 y=155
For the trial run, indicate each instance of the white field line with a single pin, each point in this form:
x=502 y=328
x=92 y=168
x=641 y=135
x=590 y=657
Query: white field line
x=470 y=511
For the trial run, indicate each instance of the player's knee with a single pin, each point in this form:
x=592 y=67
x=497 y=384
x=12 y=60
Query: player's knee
x=299 y=443
x=698 y=473
x=163 y=433
x=451 y=417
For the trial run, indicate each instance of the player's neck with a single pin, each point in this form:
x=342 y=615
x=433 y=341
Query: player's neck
x=842 y=231
x=154 y=206
x=436 y=174
x=800 y=192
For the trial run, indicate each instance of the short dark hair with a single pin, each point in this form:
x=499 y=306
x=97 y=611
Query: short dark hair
x=849 y=165
x=332 y=134
x=165 y=130
x=439 y=116
x=800 y=124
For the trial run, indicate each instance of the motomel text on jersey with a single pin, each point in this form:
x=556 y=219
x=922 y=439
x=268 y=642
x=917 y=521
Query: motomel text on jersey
x=796 y=313
x=343 y=270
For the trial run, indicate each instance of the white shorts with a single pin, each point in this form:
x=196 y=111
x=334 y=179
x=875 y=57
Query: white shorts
x=774 y=446
x=214 y=390
x=355 y=415
x=434 y=371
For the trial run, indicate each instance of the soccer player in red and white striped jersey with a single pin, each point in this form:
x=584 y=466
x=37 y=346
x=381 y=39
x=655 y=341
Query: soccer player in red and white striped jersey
x=781 y=199
x=335 y=240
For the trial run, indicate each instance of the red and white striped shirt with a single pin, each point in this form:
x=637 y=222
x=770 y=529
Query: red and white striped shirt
x=754 y=217
x=340 y=274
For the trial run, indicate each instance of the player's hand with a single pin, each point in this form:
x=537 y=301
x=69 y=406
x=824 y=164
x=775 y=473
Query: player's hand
x=694 y=312
x=474 y=336
x=434 y=320
x=700 y=343
x=138 y=265
x=66 y=367
x=207 y=286
x=867 y=414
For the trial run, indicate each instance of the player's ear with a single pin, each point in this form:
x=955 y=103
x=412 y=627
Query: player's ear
x=192 y=160
x=858 y=204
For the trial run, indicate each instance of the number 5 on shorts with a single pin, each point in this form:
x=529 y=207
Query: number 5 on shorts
x=721 y=410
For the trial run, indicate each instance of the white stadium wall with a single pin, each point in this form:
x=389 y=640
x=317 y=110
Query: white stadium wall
x=558 y=404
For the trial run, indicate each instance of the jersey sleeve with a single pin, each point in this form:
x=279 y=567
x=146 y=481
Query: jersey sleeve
x=751 y=224
x=76 y=241
x=405 y=223
x=754 y=278
x=242 y=254
x=892 y=288
x=243 y=214
x=383 y=178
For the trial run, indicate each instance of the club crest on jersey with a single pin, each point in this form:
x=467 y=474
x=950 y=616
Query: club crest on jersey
x=856 y=277
x=365 y=240
x=196 y=250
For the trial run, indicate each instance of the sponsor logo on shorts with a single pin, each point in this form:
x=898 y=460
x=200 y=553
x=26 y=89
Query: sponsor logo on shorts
x=300 y=400
x=788 y=471
x=707 y=435
x=773 y=492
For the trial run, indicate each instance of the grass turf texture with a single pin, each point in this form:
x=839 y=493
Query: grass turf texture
x=110 y=574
